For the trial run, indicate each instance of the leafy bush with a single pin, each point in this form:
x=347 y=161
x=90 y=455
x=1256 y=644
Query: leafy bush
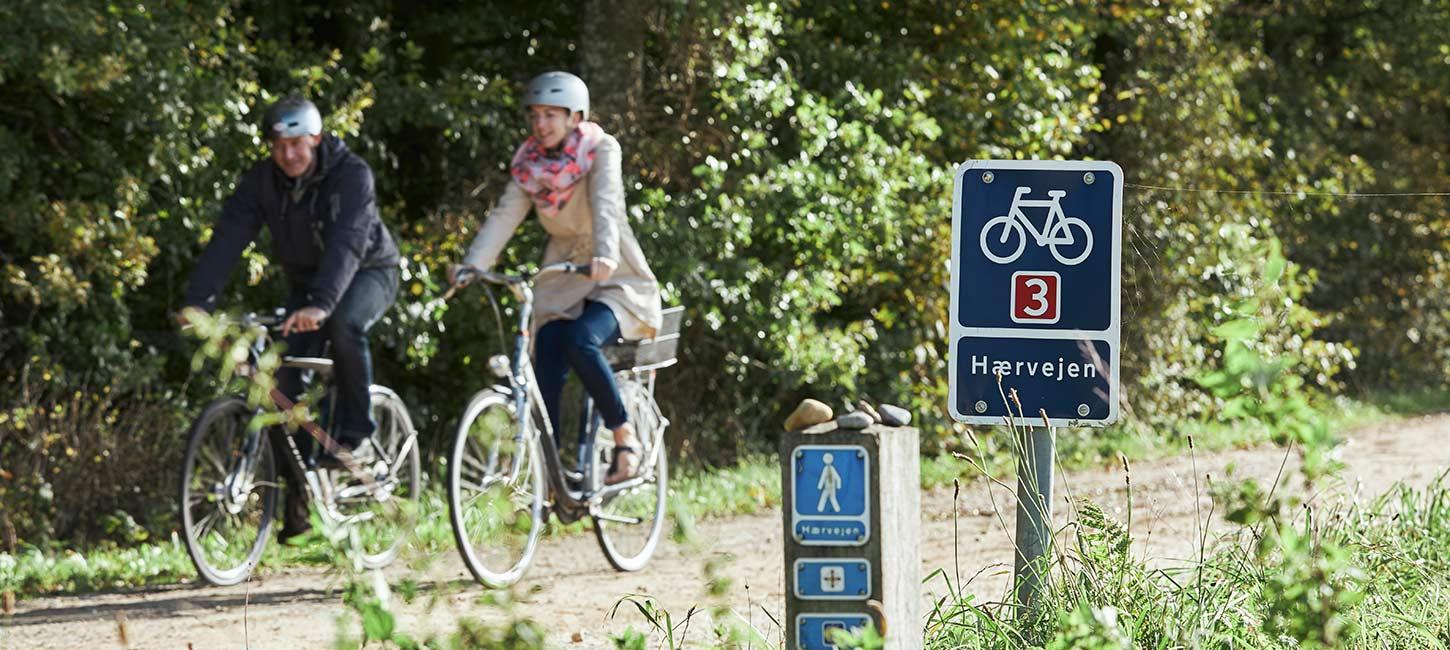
x=87 y=465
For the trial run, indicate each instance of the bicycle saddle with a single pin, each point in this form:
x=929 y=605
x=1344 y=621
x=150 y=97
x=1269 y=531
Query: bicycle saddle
x=315 y=364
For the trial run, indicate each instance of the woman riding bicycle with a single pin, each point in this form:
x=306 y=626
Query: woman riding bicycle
x=568 y=171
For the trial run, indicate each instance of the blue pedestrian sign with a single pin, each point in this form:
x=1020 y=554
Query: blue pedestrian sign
x=815 y=631
x=830 y=486
x=1035 y=291
x=832 y=579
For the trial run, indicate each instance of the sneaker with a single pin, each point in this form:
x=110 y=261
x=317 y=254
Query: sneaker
x=359 y=454
x=296 y=520
x=290 y=536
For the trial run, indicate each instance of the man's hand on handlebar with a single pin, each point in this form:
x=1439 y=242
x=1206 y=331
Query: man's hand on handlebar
x=187 y=316
x=307 y=319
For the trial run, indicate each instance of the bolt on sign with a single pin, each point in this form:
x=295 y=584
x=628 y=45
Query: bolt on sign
x=1035 y=291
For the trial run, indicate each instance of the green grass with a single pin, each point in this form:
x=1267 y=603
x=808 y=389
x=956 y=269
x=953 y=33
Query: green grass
x=35 y=571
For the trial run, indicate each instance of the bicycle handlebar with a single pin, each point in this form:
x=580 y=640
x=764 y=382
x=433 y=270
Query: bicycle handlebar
x=271 y=321
x=467 y=275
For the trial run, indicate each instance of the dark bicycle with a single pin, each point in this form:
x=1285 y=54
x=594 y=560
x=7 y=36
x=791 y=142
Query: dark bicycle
x=505 y=473
x=229 y=475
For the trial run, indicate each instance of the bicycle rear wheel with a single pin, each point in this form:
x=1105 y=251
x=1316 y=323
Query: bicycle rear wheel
x=631 y=516
x=495 y=491
x=382 y=501
x=228 y=492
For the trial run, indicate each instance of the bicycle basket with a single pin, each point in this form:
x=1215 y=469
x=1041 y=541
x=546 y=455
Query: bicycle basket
x=651 y=353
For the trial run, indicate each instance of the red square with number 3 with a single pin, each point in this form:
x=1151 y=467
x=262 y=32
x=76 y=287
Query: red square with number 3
x=1036 y=296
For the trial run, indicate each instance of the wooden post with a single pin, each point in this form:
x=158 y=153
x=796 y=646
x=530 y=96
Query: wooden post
x=851 y=516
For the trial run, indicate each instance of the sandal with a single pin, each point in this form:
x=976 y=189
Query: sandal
x=620 y=472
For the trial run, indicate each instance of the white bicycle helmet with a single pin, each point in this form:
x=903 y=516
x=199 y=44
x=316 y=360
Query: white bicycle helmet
x=291 y=117
x=558 y=89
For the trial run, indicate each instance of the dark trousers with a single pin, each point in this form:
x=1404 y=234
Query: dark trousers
x=565 y=344
x=344 y=338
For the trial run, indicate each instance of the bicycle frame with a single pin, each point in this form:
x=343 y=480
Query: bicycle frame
x=318 y=491
x=1054 y=216
x=534 y=425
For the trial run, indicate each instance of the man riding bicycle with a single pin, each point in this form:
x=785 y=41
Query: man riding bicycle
x=317 y=199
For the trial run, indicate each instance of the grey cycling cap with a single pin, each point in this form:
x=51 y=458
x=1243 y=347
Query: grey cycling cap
x=291 y=117
x=558 y=89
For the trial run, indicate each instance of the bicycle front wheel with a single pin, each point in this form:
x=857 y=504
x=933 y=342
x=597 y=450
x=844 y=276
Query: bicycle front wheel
x=495 y=490
x=631 y=515
x=228 y=492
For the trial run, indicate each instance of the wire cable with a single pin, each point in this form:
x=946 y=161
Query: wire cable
x=1349 y=195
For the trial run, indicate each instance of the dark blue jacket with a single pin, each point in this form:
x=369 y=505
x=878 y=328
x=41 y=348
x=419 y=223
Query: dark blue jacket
x=324 y=227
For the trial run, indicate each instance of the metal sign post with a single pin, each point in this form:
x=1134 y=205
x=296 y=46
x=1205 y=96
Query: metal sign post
x=852 y=523
x=1036 y=267
x=1034 y=513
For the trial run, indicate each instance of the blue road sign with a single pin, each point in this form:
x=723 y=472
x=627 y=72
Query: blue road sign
x=832 y=579
x=1036 y=262
x=812 y=630
x=831 y=485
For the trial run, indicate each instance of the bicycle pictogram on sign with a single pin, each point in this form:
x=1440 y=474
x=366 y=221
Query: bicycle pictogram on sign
x=1056 y=232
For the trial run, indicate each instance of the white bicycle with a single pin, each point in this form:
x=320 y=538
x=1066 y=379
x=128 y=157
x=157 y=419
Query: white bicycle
x=506 y=475
x=1057 y=231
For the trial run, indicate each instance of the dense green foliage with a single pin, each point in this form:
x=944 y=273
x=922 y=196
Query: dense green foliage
x=788 y=167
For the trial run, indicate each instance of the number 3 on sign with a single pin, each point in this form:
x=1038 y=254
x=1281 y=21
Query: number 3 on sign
x=1036 y=296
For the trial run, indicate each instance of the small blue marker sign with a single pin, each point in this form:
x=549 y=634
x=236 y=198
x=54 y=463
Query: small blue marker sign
x=814 y=631
x=831 y=484
x=832 y=579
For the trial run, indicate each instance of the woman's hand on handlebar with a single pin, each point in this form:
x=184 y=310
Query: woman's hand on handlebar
x=459 y=275
x=600 y=268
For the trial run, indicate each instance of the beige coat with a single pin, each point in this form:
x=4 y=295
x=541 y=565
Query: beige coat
x=593 y=223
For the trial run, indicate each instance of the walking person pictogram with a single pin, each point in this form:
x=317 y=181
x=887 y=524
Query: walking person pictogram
x=828 y=484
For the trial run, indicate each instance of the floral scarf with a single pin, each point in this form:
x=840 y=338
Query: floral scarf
x=551 y=177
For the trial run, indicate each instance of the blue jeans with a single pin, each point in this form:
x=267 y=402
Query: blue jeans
x=370 y=294
x=564 y=344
